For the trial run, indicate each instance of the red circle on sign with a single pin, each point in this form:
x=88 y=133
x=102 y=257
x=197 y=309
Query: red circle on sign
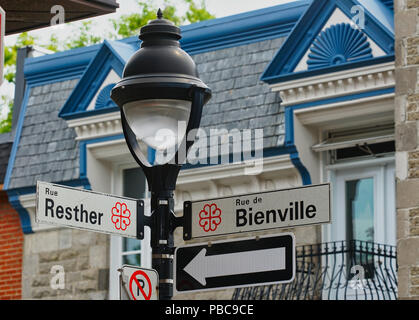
x=135 y=280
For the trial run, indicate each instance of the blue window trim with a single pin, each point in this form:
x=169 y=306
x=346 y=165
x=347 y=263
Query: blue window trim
x=289 y=125
x=83 y=151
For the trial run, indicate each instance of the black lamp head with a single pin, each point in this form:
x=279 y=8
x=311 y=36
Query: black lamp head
x=159 y=71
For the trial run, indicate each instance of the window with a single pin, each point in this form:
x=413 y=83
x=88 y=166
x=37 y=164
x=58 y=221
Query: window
x=130 y=182
x=360 y=222
x=360 y=143
x=360 y=209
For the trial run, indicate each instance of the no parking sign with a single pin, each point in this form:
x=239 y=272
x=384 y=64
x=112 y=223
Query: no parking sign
x=138 y=283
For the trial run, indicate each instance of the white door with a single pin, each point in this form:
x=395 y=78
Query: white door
x=363 y=223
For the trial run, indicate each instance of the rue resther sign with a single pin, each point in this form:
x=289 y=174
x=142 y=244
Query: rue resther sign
x=84 y=209
x=256 y=212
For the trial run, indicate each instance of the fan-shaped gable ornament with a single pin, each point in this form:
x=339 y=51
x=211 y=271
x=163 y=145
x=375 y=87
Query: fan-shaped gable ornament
x=340 y=43
x=104 y=98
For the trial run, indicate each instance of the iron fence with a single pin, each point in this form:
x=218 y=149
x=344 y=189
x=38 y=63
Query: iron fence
x=343 y=270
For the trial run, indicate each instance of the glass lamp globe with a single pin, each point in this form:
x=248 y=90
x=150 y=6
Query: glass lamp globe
x=159 y=123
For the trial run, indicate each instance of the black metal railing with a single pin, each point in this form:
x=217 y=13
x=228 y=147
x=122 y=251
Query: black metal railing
x=343 y=270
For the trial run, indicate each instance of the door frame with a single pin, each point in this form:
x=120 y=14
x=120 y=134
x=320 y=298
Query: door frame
x=386 y=229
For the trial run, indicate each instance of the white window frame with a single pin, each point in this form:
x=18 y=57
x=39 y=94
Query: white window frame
x=116 y=242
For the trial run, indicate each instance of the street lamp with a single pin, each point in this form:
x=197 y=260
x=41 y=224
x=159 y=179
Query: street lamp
x=161 y=98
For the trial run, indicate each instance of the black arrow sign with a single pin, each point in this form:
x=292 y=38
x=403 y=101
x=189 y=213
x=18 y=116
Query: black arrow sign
x=225 y=264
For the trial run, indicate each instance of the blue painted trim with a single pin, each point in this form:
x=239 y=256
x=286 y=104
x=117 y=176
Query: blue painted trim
x=337 y=68
x=389 y=4
x=335 y=46
x=16 y=141
x=59 y=66
x=289 y=149
x=289 y=125
x=305 y=175
x=89 y=113
x=308 y=27
x=83 y=151
x=343 y=98
x=267 y=153
x=241 y=29
x=112 y=55
x=215 y=34
x=24 y=217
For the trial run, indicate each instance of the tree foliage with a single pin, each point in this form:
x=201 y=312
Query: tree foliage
x=130 y=25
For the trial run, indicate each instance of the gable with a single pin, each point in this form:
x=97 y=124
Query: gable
x=92 y=94
x=331 y=36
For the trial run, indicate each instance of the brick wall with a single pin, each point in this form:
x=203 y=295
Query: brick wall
x=407 y=155
x=11 y=250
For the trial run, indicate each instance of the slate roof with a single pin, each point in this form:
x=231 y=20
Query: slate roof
x=47 y=148
x=48 y=151
x=240 y=99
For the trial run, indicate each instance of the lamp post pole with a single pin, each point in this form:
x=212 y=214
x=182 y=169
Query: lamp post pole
x=163 y=222
x=160 y=88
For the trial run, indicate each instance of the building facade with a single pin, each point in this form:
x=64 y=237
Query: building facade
x=318 y=77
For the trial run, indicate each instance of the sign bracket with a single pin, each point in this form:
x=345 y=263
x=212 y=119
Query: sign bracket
x=174 y=221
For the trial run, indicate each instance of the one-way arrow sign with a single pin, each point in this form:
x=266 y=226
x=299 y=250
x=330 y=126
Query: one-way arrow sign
x=233 y=263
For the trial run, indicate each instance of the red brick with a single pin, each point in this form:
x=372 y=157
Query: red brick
x=11 y=250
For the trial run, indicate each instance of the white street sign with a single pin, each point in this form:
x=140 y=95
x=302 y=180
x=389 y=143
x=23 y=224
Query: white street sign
x=84 y=209
x=257 y=212
x=137 y=283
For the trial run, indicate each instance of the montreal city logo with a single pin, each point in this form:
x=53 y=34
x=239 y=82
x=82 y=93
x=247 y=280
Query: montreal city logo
x=210 y=217
x=121 y=216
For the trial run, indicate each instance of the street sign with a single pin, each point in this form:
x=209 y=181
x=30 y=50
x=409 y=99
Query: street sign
x=235 y=263
x=2 y=34
x=137 y=283
x=256 y=212
x=93 y=211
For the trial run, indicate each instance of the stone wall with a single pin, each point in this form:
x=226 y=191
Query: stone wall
x=407 y=155
x=82 y=255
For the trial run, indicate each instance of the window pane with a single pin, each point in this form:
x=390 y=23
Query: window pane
x=131 y=245
x=360 y=222
x=360 y=209
x=134 y=183
x=132 y=259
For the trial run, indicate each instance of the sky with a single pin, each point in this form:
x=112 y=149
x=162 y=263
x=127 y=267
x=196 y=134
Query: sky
x=219 y=8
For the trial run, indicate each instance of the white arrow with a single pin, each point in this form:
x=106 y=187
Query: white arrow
x=202 y=267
